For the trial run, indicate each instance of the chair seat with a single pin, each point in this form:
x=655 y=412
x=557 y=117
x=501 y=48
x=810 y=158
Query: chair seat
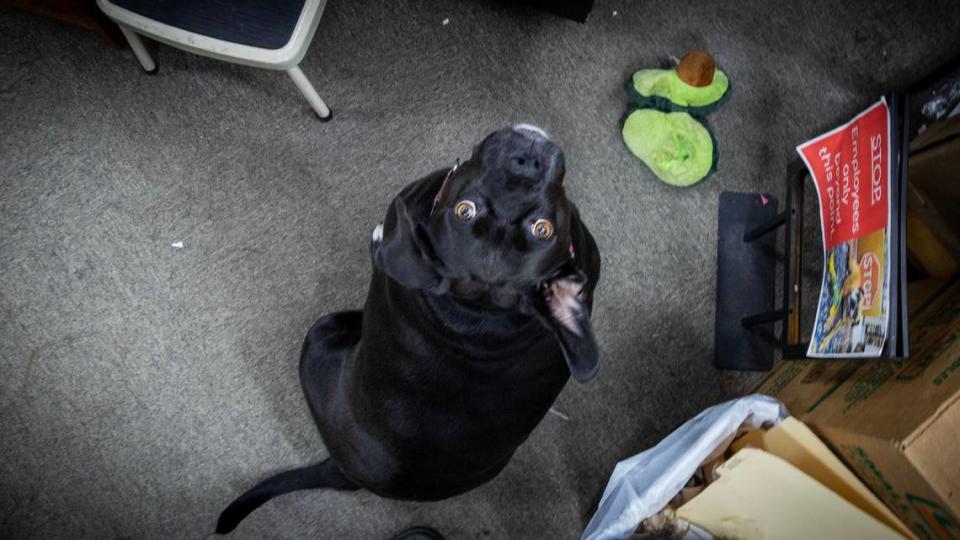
x=254 y=23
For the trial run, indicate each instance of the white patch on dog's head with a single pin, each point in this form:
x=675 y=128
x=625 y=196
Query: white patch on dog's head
x=563 y=298
x=528 y=129
x=378 y=233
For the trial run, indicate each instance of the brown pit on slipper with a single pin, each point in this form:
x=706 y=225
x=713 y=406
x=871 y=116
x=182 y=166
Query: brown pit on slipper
x=697 y=68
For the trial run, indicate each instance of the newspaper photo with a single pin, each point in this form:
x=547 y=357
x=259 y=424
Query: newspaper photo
x=850 y=167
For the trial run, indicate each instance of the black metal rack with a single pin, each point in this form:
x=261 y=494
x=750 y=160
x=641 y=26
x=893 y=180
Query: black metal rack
x=747 y=256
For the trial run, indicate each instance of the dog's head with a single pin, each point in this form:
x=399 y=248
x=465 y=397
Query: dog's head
x=497 y=229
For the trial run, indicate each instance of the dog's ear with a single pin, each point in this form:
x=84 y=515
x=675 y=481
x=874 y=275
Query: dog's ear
x=400 y=248
x=559 y=303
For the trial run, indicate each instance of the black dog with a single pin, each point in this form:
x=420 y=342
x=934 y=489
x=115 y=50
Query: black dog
x=482 y=286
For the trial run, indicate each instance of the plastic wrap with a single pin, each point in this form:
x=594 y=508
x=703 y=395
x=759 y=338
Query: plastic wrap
x=945 y=101
x=643 y=484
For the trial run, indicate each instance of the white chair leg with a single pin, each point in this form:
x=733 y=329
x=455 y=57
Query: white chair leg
x=308 y=92
x=138 y=49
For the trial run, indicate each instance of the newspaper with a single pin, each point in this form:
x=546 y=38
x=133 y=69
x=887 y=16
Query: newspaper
x=851 y=169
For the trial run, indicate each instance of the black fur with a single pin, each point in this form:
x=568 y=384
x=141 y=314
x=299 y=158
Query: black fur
x=457 y=354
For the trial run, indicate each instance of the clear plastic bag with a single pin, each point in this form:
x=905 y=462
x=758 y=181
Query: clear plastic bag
x=642 y=485
x=945 y=101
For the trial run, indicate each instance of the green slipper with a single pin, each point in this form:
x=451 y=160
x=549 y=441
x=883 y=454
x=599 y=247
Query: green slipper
x=664 y=90
x=676 y=147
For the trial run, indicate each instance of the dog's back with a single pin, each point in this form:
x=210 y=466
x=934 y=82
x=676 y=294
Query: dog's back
x=440 y=394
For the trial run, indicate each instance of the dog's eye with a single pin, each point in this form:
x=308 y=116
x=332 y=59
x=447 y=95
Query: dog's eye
x=465 y=210
x=542 y=229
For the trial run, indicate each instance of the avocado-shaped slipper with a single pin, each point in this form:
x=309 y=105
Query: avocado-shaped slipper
x=695 y=86
x=677 y=148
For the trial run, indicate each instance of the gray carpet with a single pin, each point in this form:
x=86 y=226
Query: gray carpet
x=143 y=386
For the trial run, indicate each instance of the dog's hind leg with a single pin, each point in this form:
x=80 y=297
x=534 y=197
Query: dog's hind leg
x=322 y=475
x=334 y=332
x=326 y=347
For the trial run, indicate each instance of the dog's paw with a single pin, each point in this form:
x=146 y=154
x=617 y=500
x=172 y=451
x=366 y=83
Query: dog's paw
x=377 y=233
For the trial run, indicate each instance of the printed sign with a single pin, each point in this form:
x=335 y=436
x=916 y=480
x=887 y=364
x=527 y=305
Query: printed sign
x=850 y=167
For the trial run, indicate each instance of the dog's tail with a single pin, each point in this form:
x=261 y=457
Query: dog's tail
x=322 y=475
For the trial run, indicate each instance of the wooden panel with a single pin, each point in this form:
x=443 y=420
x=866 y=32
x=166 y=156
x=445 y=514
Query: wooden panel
x=82 y=13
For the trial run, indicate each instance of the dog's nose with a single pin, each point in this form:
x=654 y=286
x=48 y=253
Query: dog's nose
x=532 y=155
x=525 y=152
x=527 y=164
x=537 y=161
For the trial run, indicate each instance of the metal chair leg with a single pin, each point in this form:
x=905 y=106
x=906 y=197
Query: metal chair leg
x=319 y=107
x=139 y=50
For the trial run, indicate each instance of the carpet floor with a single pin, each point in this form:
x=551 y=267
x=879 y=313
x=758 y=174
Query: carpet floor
x=143 y=386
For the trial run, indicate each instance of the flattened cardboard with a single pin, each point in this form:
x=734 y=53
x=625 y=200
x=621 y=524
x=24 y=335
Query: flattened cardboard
x=894 y=423
x=795 y=443
x=760 y=496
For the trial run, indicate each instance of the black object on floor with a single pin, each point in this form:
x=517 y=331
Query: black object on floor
x=418 y=533
x=576 y=10
x=745 y=286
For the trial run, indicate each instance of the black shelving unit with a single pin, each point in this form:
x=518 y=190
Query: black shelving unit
x=745 y=335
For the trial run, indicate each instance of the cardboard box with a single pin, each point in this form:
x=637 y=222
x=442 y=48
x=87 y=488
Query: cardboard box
x=758 y=495
x=933 y=224
x=794 y=442
x=774 y=481
x=935 y=168
x=897 y=425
